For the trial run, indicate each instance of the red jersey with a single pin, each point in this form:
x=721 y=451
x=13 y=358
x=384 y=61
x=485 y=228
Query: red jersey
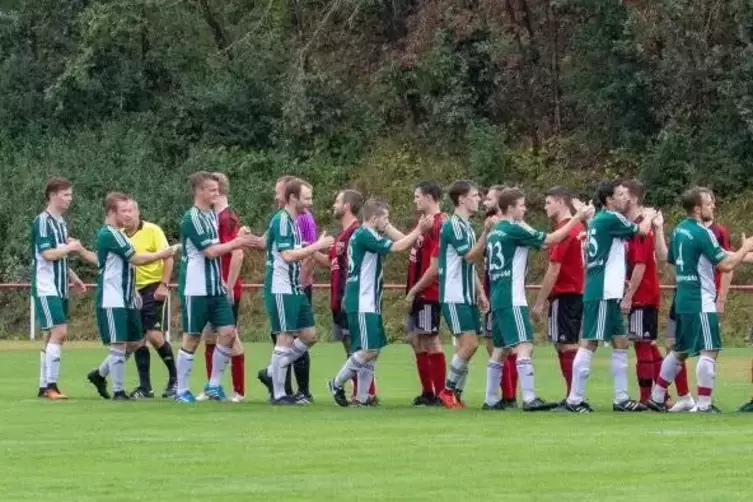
x=569 y=254
x=338 y=267
x=421 y=253
x=640 y=250
x=228 y=227
x=722 y=236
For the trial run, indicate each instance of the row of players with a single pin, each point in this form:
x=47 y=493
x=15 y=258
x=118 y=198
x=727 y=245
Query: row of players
x=442 y=277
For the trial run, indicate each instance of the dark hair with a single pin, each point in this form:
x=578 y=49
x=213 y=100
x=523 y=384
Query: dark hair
x=694 y=197
x=459 y=189
x=605 y=190
x=197 y=180
x=560 y=193
x=636 y=189
x=509 y=197
x=497 y=188
x=354 y=199
x=374 y=207
x=113 y=199
x=55 y=185
x=430 y=188
x=293 y=187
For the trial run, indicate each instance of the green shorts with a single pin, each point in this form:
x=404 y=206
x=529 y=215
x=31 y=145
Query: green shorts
x=366 y=331
x=119 y=325
x=602 y=320
x=697 y=333
x=461 y=318
x=50 y=311
x=289 y=313
x=198 y=311
x=511 y=327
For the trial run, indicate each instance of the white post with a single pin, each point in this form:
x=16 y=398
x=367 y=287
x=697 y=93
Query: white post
x=169 y=308
x=32 y=320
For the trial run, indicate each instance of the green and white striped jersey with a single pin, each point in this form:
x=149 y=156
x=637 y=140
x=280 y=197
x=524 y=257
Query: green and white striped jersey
x=199 y=275
x=48 y=278
x=116 y=279
x=363 y=288
x=457 y=277
x=606 y=256
x=282 y=278
x=507 y=248
x=695 y=253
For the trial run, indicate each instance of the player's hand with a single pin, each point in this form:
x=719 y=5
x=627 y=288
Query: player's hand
x=538 y=311
x=747 y=242
x=583 y=211
x=230 y=295
x=244 y=231
x=649 y=213
x=483 y=304
x=171 y=251
x=490 y=222
x=626 y=304
x=720 y=303
x=410 y=298
x=160 y=294
x=659 y=220
x=74 y=245
x=324 y=241
x=425 y=223
x=78 y=286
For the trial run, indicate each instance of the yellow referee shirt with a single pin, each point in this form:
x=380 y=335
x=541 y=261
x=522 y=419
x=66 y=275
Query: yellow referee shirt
x=149 y=238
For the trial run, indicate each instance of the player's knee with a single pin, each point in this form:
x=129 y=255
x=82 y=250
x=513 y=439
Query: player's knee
x=190 y=343
x=58 y=334
x=156 y=338
x=308 y=336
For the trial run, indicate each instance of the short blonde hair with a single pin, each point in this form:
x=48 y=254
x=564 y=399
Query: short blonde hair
x=223 y=182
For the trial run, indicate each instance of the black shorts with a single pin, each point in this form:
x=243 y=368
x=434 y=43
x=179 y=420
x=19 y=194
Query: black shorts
x=565 y=317
x=153 y=312
x=643 y=323
x=423 y=318
x=234 y=307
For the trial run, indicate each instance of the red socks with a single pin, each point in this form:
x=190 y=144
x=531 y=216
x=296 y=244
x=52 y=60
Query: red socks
x=510 y=377
x=208 y=353
x=681 y=381
x=438 y=371
x=238 y=373
x=423 y=364
x=644 y=368
x=566 y=359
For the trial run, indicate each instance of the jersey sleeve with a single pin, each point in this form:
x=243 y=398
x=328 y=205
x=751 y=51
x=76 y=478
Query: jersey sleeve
x=283 y=233
x=307 y=226
x=373 y=243
x=725 y=242
x=527 y=237
x=711 y=249
x=43 y=235
x=192 y=230
x=558 y=252
x=457 y=236
x=621 y=227
x=228 y=227
x=160 y=241
x=117 y=243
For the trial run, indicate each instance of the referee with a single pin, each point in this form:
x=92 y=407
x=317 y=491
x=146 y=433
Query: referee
x=152 y=284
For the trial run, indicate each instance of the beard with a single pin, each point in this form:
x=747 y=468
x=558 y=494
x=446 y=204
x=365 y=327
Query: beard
x=492 y=211
x=338 y=214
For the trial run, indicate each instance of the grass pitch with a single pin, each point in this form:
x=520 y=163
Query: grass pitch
x=88 y=449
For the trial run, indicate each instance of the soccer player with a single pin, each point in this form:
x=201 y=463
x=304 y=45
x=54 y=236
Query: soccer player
x=422 y=298
x=460 y=290
x=287 y=305
x=509 y=381
x=695 y=253
x=302 y=366
x=204 y=297
x=228 y=226
x=604 y=289
x=507 y=247
x=51 y=246
x=118 y=318
x=152 y=283
x=345 y=209
x=363 y=296
x=562 y=286
x=641 y=300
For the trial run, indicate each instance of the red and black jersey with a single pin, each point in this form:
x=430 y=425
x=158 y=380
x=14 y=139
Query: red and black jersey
x=338 y=267
x=722 y=237
x=640 y=250
x=421 y=253
x=569 y=254
x=228 y=225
